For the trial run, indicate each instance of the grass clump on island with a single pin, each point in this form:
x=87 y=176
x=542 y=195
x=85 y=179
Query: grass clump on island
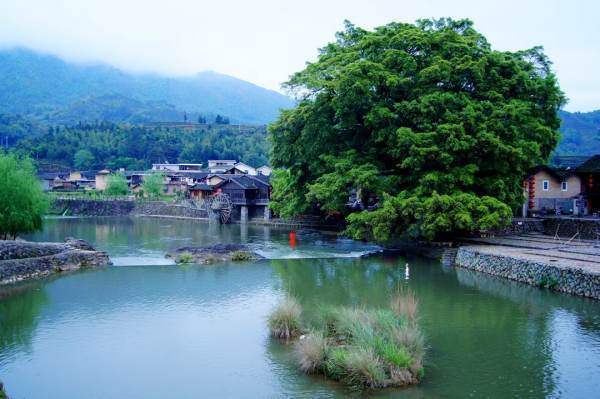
x=184 y=257
x=362 y=348
x=242 y=256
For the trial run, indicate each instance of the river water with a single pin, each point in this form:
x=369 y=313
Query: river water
x=149 y=329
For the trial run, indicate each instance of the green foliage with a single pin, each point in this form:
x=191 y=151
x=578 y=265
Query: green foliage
x=185 y=257
x=2 y=392
x=153 y=184
x=22 y=201
x=364 y=348
x=116 y=184
x=580 y=133
x=83 y=160
x=241 y=256
x=285 y=322
x=547 y=281
x=427 y=117
x=138 y=147
x=286 y=198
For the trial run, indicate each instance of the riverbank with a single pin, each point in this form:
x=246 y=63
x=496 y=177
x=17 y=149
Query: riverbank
x=567 y=266
x=161 y=209
x=23 y=260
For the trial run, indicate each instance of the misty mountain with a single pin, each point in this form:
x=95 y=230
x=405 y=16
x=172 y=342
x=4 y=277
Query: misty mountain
x=580 y=133
x=46 y=87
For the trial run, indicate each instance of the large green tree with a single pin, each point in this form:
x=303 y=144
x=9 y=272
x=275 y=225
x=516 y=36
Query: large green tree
x=22 y=201
x=83 y=159
x=427 y=117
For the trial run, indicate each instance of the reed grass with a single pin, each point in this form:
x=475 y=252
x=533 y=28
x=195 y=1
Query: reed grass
x=363 y=348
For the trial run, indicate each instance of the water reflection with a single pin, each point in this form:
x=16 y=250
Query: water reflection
x=20 y=307
x=200 y=331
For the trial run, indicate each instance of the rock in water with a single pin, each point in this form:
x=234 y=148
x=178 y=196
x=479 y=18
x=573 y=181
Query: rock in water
x=214 y=253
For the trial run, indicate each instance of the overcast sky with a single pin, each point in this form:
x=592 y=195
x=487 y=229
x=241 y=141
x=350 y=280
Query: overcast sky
x=264 y=41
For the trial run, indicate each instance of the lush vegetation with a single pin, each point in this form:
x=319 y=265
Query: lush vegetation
x=427 y=118
x=580 y=133
x=22 y=201
x=153 y=184
x=116 y=184
x=100 y=145
x=49 y=89
x=364 y=348
x=184 y=258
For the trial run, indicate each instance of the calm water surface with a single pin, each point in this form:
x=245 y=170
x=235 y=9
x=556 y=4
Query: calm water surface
x=149 y=329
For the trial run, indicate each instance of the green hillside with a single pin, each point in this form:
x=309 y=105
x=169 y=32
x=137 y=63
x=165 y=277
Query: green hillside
x=46 y=87
x=137 y=147
x=580 y=133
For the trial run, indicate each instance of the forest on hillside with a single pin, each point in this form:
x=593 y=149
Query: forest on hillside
x=136 y=147
x=580 y=133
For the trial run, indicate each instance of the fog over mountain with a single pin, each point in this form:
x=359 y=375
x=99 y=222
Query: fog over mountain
x=50 y=89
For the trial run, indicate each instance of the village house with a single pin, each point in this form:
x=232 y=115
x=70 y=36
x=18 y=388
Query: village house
x=550 y=191
x=102 y=179
x=264 y=170
x=589 y=172
x=573 y=188
x=248 y=194
x=177 y=167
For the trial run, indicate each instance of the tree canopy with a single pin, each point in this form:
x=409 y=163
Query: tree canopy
x=138 y=147
x=427 y=118
x=116 y=184
x=153 y=184
x=22 y=201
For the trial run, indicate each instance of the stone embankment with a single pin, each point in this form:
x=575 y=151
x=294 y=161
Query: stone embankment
x=21 y=260
x=123 y=207
x=567 y=266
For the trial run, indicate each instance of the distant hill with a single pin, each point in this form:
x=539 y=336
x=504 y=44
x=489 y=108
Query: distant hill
x=50 y=89
x=117 y=108
x=580 y=133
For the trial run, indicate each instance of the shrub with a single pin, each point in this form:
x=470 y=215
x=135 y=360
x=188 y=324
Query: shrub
x=312 y=352
x=241 y=256
x=22 y=201
x=3 y=394
x=285 y=322
x=185 y=257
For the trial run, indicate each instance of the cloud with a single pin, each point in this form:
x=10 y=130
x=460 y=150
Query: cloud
x=265 y=41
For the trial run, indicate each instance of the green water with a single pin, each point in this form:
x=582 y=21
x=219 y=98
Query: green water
x=148 y=329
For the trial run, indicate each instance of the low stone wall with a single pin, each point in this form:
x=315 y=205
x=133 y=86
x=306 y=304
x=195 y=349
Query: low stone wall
x=167 y=209
x=566 y=279
x=584 y=228
x=110 y=207
x=20 y=260
x=90 y=207
x=517 y=226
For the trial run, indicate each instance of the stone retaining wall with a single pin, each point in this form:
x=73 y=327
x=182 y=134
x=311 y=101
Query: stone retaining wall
x=89 y=207
x=570 y=280
x=20 y=260
x=167 y=209
x=584 y=228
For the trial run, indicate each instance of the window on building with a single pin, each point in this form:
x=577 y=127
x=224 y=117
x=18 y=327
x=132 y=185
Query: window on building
x=564 y=186
x=546 y=185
